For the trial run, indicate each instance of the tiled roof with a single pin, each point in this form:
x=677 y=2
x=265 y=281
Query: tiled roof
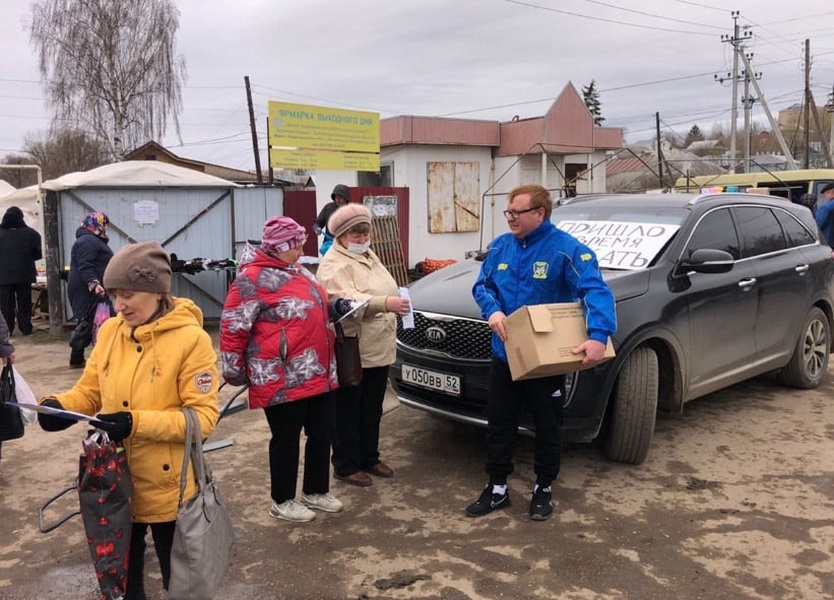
x=630 y=164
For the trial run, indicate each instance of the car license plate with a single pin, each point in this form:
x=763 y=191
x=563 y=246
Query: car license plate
x=442 y=382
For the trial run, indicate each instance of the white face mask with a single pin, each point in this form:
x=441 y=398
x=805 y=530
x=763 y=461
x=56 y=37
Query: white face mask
x=359 y=248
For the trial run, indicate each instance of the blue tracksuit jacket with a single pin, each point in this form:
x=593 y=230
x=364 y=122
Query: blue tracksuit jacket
x=547 y=266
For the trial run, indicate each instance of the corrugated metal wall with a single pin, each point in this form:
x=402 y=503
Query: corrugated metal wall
x=207 y=223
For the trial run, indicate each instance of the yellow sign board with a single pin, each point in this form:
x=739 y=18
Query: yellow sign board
x=319 y=128
x=323 y=159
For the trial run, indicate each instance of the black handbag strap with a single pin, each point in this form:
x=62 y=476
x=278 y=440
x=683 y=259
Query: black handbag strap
x=193 y=452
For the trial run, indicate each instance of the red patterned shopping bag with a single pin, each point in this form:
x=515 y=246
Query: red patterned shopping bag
x=105 y=490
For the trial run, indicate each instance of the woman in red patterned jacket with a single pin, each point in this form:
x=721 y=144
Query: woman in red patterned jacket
x=275 y=335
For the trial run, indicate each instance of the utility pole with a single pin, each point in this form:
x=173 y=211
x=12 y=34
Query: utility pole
x=748 y=101
x=734 y=111
x=254 y=130
x=811 y=108
x=659 y=151
x=735 y=40
x=807 y=112
x=829 y=108
x=774 y=126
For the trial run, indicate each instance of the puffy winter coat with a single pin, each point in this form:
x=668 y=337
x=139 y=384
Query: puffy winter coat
x=20 y=247
x=345 y=274
x=275 y=332
x=88 y=259
x=153 y=371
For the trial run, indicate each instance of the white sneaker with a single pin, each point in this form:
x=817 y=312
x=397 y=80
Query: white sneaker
x=291 y=510
x=324 y=502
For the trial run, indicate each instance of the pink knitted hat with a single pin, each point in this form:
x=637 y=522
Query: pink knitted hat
x=281 y=234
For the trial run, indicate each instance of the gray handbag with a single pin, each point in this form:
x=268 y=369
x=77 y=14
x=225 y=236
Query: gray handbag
x=204 y=539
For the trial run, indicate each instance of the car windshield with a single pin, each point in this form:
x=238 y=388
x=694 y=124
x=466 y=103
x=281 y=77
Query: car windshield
x=623 y=238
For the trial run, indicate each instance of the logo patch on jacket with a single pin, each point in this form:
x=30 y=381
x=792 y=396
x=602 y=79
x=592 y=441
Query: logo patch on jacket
x=540 y=270
x=204 y=381
x=503 y=266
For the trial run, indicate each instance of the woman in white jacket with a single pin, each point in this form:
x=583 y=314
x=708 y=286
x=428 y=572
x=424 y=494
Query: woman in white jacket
x=350 y=269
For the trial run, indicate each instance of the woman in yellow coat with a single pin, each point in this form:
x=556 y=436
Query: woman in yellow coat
x=150 y=361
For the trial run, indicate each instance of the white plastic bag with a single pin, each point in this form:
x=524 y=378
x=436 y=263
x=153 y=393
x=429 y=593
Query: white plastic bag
x=24 y=395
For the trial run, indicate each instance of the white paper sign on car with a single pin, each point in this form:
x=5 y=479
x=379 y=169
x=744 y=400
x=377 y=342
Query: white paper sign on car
x=621 y=244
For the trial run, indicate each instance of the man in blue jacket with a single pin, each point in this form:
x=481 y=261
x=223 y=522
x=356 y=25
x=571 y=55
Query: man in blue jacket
x=825 y=214
x=535 y=263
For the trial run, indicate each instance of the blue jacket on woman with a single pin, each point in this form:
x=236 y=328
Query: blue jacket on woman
x=88 y=259
x=547 y=266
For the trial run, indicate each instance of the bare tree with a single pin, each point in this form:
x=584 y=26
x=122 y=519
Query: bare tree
x=66 y=151
x=109 y=67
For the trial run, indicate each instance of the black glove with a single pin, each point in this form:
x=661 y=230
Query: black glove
x=53 y=422
x=339 y=307
x=118 y=425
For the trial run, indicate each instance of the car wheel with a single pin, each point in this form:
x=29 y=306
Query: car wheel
x=809 y=361
x=635 y=408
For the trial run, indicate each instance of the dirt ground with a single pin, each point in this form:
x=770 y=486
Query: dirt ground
x=735 y=501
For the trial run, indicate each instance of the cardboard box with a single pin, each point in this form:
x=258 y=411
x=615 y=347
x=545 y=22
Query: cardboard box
x=540 y=339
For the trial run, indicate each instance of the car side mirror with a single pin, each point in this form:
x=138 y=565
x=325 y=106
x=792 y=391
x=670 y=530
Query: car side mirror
x=707 y=260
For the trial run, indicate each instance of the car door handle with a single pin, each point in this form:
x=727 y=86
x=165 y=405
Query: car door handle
x=747 y=283
x=802 y=269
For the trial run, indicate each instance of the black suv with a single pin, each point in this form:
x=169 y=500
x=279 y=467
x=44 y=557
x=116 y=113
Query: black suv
x=711 y=290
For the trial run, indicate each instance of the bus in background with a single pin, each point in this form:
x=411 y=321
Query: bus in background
x=801 y=186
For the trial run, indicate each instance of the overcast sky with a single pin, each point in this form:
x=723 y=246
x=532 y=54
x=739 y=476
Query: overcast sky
x=477 y=59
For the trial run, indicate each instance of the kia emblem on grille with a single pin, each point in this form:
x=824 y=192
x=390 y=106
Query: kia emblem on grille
x=435 y=334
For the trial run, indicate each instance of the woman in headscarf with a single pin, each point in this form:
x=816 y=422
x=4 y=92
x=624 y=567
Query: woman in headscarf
x=89 y=257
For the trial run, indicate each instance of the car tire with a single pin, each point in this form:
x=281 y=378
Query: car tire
x=809 y=361
x=634 y=413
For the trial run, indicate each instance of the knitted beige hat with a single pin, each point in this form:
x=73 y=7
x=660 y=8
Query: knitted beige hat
x=346 y=217
x=142 y=267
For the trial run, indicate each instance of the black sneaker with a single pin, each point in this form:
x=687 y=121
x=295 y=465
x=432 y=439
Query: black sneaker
x=488 y=502
x=541 y=506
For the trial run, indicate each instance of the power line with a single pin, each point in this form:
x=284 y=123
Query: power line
x=654 y=16
x=614 y=21
x=19 y=80
x=19 y=97
x=209 y=142
x=551 y=98
x=698 y=4
x=327 y=101
x=781 y=21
